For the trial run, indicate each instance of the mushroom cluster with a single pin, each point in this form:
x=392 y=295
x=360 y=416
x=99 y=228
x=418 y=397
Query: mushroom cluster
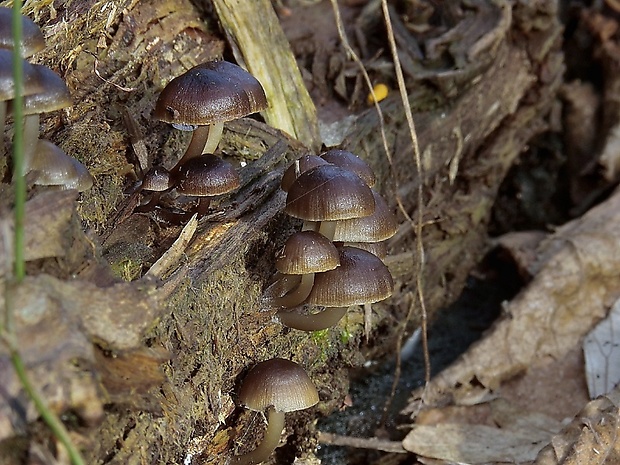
x=202 y=100
x=43 y=91
x=335 y=261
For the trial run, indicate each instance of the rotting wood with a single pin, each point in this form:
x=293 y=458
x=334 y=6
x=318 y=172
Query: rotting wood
x=212 y=326
x=266 y=53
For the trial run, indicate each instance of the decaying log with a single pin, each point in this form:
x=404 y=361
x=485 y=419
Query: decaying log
x=473 y=116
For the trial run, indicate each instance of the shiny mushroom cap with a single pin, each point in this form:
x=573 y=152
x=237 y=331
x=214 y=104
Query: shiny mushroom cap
x=32 y=37
x=328 y=193
x=350 y=161
x=157 y=179
x=213 y=92
x=53 y=96
x=307 y=252
x=278 y=383
x=51 y=166
x=379 y=226
x=7 y=86
x=206 y=176
x=361 y=278
x=303 y=164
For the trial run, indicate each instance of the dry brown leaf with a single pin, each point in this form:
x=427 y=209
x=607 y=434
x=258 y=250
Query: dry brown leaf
x=476 y=444
x=593 y=437
x=576 y=282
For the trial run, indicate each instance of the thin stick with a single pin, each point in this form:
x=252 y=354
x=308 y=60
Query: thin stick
x=395 y=447
x=420 y=198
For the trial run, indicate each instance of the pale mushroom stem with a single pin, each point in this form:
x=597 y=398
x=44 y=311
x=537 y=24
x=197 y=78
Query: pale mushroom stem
x=31 y=137
x=275 y=426
x=194 y=149
x=309 y=226
x=297 y=295
x=324 y=319
x=328 y=229
x=367 y=321
x=215 y=135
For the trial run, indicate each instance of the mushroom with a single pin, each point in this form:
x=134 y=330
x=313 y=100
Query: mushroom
x=327 y=193
x=7 y=86
x=32 y=37
x=204 y=98
x=303 y=164
x=360 y=279
x=351 y=162
x=204 y=177
x=51 y=166
x=53 y=96
x=278 y=386
x=304 y=253
x=156 y=181
x=379 y=226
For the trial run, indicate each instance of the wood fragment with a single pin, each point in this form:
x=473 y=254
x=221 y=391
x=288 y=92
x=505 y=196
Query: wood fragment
x=362 y=443
x=264 y=50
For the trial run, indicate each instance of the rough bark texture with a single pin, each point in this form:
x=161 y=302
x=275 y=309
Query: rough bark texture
x=473 y=118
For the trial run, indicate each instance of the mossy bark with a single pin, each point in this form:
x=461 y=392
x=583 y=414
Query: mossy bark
x=472 y=120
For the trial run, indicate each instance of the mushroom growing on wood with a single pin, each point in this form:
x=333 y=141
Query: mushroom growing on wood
x=204 y=98
x=32 y=37
x=51 y=166
x=53 y=96
x=7 y=86
x=351 y=162
x=328 y=193
x=278 y=386
x=304 y=253
x=204 y=177
x=361 y=279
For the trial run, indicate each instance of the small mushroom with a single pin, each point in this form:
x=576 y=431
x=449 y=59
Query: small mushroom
x=328 y=193
x=156 y=181
x=7 y=86
x=304 y=253
x=351 y=162
x=204 y=177
x=32 y=37
x=303 y=164
x=53 y=96
x=278 y=386
x=361 y=279
x=379 y=226
x=51 y=166
x=204 y=98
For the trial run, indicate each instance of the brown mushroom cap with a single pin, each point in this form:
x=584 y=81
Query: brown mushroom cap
x=53 y=96
x=278 y=383
x=7 y=86
x=213 y=92
x=305 y=163
x=350 y=161
x=379 y=226
x=206 y=175
x=361 y=278
x=307 y=252
x=378 y=249
x=53 y=167
x=328 y=193
x=157 y=179
x=32 y=37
